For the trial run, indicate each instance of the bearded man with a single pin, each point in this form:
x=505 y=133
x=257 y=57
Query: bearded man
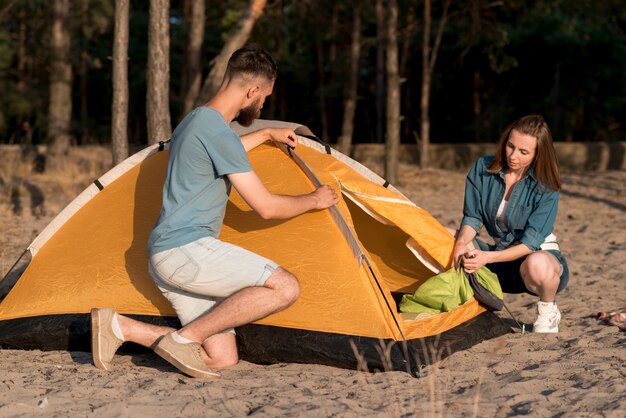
x=212 y=285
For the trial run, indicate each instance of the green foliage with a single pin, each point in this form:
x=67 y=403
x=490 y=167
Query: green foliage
x=7 y=50
x=565 y=59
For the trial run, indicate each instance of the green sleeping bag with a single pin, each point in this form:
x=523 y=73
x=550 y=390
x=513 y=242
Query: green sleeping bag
x=447 y=290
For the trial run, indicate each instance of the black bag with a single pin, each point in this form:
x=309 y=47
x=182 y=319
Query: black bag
x=483 y=295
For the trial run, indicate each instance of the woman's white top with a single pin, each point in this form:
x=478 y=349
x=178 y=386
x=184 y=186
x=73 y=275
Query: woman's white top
x=500 y=215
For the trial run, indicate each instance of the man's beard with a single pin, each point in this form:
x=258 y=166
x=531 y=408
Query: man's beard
x=248 y=114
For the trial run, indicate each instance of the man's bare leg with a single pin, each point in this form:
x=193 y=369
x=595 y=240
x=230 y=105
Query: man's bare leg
x=220 y=350
x=109 y=330
x=140 y=332
x=280 y=291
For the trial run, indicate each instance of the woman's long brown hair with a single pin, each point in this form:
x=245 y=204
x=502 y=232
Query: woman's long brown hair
x=545 y=163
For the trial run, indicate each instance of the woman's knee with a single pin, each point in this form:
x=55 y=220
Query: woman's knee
x=540 y=267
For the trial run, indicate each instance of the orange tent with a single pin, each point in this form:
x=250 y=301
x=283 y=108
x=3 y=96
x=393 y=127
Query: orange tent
x=353 y=262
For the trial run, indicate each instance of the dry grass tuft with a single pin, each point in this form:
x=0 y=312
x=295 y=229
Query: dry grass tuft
x=428 y=394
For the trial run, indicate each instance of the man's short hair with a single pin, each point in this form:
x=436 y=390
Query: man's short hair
x=253 y=61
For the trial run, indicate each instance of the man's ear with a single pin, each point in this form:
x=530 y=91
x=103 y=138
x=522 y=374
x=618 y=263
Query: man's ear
x=252 y=91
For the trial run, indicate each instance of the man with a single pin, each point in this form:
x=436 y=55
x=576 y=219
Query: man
x=213 y=286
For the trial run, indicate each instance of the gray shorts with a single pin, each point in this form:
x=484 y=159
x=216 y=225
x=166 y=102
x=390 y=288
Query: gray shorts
x=198 y=275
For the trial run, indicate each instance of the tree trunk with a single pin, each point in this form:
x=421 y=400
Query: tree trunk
x=60 y=110
x=429 y=57
x=555 y=94
x=157 y=99
x=83 y=69
x=21 y=56
x=7 y=8
x=393 y=96
x=24 y=132
x=330 y=76
x=119 y=109
x=380 y=71
x=193 y=55
x=407 y=39
x=349 y=109
x=321 y=78
x=405 y=63
x=236 y=39
x=185 y=23
x=476 y=107
x=425 y=99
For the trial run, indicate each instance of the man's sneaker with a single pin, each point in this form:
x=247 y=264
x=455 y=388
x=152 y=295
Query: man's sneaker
x=104 y=342
x=548 y=317
x=185 y=357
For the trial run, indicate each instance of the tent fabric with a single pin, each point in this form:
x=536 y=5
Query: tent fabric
x=350 y=266
x=90 y=192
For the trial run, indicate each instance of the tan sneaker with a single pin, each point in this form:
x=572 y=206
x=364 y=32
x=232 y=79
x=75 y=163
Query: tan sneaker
x=185 y=357
x=104 y=343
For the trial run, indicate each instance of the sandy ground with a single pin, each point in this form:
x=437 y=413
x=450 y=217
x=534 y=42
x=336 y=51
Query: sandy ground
x=580 y=372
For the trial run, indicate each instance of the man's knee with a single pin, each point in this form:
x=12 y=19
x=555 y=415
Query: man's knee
x=285 y=284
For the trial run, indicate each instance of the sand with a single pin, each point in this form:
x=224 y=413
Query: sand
x=580 y=372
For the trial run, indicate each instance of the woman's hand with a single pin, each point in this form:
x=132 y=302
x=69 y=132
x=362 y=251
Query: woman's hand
x=460 y=248
x=475 y=259
x=462 y=245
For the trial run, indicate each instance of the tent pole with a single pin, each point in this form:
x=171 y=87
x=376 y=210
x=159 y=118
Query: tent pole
x=14 y=264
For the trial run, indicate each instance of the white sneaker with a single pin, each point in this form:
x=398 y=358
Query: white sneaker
x=548 y=317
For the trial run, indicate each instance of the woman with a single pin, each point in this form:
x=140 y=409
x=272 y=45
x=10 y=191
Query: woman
x=515 y=196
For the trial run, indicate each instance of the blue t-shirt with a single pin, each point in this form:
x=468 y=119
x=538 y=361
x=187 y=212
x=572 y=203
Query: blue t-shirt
x=203 y=150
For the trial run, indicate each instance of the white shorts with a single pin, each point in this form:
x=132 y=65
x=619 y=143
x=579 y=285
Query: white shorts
x=198 y=275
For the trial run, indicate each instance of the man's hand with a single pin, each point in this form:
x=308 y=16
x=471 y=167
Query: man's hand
x=276 y=206
x=325 y=197
x=256 y=138
x=284 y=135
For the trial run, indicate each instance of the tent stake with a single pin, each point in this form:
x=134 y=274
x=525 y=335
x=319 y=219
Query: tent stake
x=521 y=326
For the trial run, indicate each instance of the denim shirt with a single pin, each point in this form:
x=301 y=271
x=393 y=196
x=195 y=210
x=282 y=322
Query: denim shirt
x=529 y=215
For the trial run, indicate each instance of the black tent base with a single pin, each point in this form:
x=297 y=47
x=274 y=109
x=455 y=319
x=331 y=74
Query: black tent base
x=266 y=344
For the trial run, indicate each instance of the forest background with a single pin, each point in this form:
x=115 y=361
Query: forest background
x=353 y=71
